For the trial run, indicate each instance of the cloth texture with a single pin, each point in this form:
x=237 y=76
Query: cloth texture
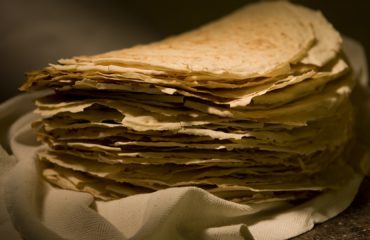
x=32 y=209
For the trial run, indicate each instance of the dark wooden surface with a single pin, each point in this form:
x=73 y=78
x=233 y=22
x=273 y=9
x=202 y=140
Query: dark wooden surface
x=352 y=224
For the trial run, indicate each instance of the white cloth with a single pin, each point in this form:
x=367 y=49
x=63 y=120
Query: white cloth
x=31 y=208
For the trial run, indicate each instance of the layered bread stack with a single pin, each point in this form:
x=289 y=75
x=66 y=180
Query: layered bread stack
x=253 y=107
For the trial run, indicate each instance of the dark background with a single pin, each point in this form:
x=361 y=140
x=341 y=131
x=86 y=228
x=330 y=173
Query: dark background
x=37 y=32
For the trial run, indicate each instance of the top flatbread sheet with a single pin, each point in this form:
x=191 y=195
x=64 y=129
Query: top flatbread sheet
x=262 y=39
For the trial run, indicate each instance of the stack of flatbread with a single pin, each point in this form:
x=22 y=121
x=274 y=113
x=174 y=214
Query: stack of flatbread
x=253 y=107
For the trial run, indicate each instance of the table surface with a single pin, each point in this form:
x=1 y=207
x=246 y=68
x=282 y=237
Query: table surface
x=352 y=224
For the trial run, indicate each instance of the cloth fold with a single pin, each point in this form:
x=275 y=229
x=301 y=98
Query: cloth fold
x=37 y=210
